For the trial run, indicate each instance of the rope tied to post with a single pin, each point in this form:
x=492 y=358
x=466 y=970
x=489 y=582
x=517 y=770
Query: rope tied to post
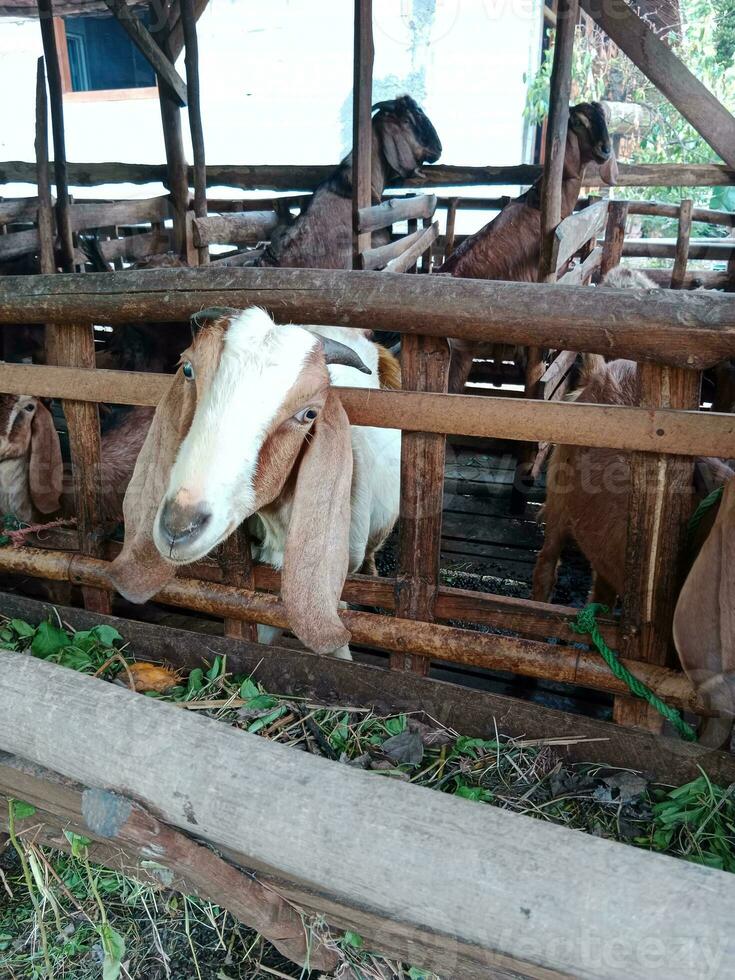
x=586 y=625
x=712 y=499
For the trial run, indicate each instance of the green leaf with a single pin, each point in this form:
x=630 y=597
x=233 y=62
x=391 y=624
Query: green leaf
x=106 y=635
x=248 y=689
x=474 y=793
x=48 y=641
x=79 y=844
x=267 y=719
x=474 y=746
x=353 y=939
x=114 y=947
x=21 y=809
x=216 y=669
x=196 y=681
x=416 y=974
x=21 y=627
x=394 y=726
x=260 y=702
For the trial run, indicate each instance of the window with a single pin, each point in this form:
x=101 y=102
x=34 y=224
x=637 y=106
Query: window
x=98 y=60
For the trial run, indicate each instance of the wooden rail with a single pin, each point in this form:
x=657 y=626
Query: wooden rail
x=305 y=177
x=694 y=329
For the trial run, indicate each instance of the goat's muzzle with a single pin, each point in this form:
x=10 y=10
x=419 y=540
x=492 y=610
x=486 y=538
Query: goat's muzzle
x=181 y=524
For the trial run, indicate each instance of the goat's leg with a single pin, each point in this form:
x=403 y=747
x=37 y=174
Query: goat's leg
x=368 y=566
x=460 y=365
x=547 y=563
x=602 y=591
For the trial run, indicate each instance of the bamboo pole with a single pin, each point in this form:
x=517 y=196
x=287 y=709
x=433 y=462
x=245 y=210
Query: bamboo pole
x=530 y=658
x=188 y=21
x=362 y=127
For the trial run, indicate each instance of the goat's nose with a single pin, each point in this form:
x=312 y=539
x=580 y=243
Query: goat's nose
x=182 y=523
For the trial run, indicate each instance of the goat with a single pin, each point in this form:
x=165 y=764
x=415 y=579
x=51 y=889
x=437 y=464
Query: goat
x=588 y=499
x=31 y=465
x=251 y=429
x=508 y=247
x=321 y=236
x=31 y=469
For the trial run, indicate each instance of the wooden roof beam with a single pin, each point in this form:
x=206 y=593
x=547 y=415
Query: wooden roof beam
x=668 y=73
x=153 y=54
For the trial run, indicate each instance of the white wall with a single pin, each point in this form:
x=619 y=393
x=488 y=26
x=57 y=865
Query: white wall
x=276 y=83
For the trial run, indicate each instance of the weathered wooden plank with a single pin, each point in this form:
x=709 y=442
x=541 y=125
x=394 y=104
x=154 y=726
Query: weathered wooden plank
x=716 y=250
x=305 y=177
x=405 y=856
x=362 y=128
x=396 y=209
x=189 y=25
x=694 y=329
x=102 y=214
x=424 y=367
x=581 y=273
x=141 y=38
x=578 y=229
x=658 y=61
x=614 y=426
x=18 y=243
x=133 y=247
x=45 y=213
x=381 y=255
x=660 y=505
x=19 y=209
x=404 y=261
x=471 y=712
x=660 y=210
x=234 y=229
x=612 y=248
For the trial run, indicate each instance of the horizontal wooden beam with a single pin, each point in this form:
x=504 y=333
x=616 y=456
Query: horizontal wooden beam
x=659 y=62
x=380 y=845
x=102 y=214
x=469 y=711
x=397 y=209
x=650 y=248
x=530 y=658
x=381 y=255
x=305 y=177
x=658 y=209
x=688 y=330
x=529 y=420
x=234 y=229
x=142 y=39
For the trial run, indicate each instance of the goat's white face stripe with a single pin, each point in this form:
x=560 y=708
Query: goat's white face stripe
x=217 y=461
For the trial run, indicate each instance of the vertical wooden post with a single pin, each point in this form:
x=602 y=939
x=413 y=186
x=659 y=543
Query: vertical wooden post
x=75 y=343
x=45 y=205
x=237 y=568
x=678 y=273
x=412 y=226
x=556 y=137
x=188 y=22
x=63 y=217
x=425 y=367
x=660 y=505
x=612 y=249
x=362 y=127
x=451 y=223
x=176 y=166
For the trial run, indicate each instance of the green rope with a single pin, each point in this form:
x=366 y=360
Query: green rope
x=8 y=522
x=707 y=504
x=586 y=624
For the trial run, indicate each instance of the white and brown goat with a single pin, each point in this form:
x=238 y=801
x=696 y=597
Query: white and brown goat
x=251 y=429
x=588 y=500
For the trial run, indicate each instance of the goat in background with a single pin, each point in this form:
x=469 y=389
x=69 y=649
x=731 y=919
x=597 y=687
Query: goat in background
x=321 y=236
x=251 y=429
x=508 y=247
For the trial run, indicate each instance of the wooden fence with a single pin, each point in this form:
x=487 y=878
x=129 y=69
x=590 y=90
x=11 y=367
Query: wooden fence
x=677 y=335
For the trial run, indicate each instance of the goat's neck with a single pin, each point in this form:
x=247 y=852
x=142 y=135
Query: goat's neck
x=15 y=497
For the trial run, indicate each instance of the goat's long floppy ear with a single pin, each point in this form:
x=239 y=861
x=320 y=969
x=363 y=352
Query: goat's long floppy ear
x=46 y=469
x=400 y=148
x=704 y=621
x=139 y=571
x=318 y=543
x=609 y=170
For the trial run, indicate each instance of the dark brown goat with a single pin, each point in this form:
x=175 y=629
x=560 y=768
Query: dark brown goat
x=508 y=247
x=321 y=237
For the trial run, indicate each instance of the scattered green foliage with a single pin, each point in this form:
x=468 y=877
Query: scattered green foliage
x=107 y=925
x=88 y=651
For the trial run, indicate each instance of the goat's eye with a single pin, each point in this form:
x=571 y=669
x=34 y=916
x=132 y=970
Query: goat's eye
x=30 y=408
x=306 y=415
x=188 y=370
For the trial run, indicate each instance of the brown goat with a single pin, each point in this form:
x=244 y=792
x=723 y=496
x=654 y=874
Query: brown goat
x=321 y=236
x=508 y=247
x=588 y=499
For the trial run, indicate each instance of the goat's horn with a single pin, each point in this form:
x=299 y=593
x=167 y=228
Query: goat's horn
x=388 y=105
x=336 y=353
x=198 y=320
